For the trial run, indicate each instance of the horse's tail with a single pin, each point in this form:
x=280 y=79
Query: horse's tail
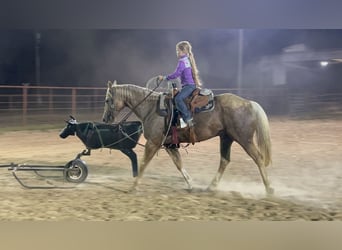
x=263 y=133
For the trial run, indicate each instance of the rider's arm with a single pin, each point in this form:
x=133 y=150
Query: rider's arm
x=178 y=71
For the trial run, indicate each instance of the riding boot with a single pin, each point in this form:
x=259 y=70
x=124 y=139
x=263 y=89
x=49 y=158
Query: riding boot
x=190 y=123
x=182 y=123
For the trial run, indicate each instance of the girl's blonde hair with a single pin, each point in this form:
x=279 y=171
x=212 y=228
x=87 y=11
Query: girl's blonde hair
x=186 y=47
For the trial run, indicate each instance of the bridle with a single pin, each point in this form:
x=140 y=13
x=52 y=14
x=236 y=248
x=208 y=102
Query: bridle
x=109 y=96
x=110 y=104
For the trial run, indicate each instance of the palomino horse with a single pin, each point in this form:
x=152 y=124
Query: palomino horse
x=232 y=119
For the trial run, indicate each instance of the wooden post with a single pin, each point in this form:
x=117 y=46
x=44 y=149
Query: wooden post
x=73 y=101
x=50 y=101
x=24 y=115
x=10 y=98
x=240 y=63
x=96 y=93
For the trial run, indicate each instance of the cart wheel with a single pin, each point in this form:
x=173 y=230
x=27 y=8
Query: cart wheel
x=76 y=171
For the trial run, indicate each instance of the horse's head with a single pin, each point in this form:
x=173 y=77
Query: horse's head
x=70 y=128
x=112 y=103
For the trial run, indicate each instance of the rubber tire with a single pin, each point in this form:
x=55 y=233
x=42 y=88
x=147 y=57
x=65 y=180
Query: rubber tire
x=78 y=173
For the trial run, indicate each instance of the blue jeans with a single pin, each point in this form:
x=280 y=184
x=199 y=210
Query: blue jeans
x=180 y=101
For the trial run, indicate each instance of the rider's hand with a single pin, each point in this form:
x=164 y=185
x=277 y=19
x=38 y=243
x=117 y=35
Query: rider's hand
x=160 y=78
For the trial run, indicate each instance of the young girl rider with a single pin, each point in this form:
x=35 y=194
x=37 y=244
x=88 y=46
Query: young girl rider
x=187 y=71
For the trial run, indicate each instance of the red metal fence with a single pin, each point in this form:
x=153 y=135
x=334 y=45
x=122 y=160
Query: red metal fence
x=28 y=102
x=25 y=105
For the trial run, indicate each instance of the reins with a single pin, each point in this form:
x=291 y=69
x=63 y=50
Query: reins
x=131 y=111
x=129 y=136
x=118 y=141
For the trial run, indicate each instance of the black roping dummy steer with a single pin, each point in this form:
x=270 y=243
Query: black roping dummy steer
x=123 y=136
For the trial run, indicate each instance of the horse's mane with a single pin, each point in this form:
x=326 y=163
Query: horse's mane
x=135 y=91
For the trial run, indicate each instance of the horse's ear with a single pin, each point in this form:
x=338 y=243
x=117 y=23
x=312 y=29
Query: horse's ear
x=109 y=84
x=114 y=83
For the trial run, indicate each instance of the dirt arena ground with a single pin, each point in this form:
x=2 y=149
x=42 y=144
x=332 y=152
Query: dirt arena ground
x=306 y=174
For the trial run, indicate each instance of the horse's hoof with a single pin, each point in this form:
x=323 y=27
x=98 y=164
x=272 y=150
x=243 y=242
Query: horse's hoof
x=211 y=188
x=133 y=190
x=270 y=191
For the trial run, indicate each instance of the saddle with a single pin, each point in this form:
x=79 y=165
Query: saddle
x=201 y=100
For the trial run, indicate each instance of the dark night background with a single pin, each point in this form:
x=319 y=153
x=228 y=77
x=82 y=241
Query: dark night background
x=130 y=41
x=93 y=56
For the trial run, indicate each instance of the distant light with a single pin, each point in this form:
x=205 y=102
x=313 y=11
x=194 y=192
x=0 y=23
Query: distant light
x=324 y=63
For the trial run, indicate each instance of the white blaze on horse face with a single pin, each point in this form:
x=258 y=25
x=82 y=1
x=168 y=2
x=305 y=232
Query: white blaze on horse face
x=118 y=102
x=108 y=113
x=109 y=95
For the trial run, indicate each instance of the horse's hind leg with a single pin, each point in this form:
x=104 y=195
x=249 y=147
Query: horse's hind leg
x=225 y=145
x=177 y=160
x=150 y=150
x=253 y=152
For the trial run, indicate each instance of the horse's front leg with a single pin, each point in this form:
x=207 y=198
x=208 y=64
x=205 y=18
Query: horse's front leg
x=150 y=150
x=177 y=160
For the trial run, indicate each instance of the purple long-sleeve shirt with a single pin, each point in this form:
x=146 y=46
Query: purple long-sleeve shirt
x=184 y=71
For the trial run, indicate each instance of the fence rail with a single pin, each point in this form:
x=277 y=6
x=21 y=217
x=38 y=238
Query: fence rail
x=24 y=105
x=28 y=102
x=316 y=105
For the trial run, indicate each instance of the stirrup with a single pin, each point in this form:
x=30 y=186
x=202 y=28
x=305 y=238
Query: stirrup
x=191 y=123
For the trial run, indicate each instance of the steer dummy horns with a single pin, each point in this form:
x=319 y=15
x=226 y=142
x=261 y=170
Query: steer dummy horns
x=111 y=84
x=72 y=120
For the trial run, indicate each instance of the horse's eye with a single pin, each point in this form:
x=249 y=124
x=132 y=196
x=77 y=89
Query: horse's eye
x=106 y=101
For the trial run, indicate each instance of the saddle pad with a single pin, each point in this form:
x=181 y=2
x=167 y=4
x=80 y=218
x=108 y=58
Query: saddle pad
x=203 y=103
x=205 y=92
